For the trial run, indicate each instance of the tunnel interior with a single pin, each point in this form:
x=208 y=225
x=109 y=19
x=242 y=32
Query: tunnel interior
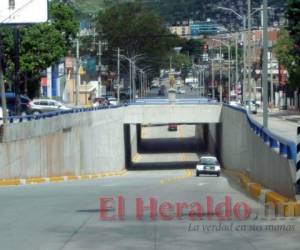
x=168 y=146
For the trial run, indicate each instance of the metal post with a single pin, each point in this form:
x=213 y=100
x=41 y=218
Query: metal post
x=221 y=74
x=77 y=77
x=272 y=83
x=2 y=86
x=133 y=79
x=236 y=62
x=118 y=76
x=213 y=79
x=130 y=79
x=265 y=64
x=99 y=68
x=229 y=71
x=249 y=52
x=244 y=60
x=17 y=69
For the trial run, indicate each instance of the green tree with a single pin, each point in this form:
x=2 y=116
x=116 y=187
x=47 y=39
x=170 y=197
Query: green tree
x=135 y=30
x=41 y=46
x=287 y=48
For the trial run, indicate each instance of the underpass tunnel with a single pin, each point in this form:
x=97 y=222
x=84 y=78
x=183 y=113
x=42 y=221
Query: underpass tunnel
x=162 y=147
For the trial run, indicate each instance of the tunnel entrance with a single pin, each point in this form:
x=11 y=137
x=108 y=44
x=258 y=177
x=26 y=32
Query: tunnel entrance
x=166 y=146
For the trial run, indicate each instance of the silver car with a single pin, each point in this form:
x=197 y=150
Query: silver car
x=208 y=165
x=39 y=106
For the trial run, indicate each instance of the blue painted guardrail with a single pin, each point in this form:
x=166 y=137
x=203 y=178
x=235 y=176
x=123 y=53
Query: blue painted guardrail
x=285 y=147
x=27 y=118
x=153 y=101
x=281 y=145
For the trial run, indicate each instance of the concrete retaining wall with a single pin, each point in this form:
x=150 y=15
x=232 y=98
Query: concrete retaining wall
x=241 y=149
x=164 y=114
x=73 y=144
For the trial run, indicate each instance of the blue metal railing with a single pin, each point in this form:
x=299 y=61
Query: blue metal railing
x=281 y=145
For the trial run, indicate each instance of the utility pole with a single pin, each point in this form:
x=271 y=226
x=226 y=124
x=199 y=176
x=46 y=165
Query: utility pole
x=99 y=68
x=265 y=63
x=133 y=78
x=244 y=59
x=2 y=86
x=229 y=71
x=272 y=83
x=221 y=73
x=249 y=52
x=17 y=69
x=236 y=62
x=213 y=79
x=130 y=79
x=118 y=75
x=77 y=77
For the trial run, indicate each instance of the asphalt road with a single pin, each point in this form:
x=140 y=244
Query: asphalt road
x=68 y=215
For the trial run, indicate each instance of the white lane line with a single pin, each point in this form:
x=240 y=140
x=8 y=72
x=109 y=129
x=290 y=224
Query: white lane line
x=201 y=184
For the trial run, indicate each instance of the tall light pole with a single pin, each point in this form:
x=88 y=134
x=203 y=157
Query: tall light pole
x=244 y=20
x=265 y=63
x=249 y=51
x=118 y=79
x=221 y=74
x=236 y=61
x=229 y=65
x=2 y=86
x=77 y=77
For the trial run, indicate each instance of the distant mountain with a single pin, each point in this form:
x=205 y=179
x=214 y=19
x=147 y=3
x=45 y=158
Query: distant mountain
x=174 y=11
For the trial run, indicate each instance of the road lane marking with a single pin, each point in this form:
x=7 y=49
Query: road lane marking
x=40 y=180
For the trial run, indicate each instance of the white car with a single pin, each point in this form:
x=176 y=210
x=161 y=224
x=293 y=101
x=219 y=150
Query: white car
x=208 y=165
x=180 y=91
x=253 y=106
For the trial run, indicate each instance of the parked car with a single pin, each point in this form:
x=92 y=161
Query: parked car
x=100 y=101
x=112 y=100
x=180 y=91
x=124 y=94
x=39 y=106
x=208 y=165
x=172 y=127
x=162 y=91
x=253 y=106
x=12 y=104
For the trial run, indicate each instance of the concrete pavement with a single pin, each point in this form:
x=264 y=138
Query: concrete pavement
x=69 y=215
x=282 y=124
x=66 y=216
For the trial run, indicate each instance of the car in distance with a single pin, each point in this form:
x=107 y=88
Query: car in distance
x=208 y=165
x=11 y=102
x=39 y=106
x=172 y=127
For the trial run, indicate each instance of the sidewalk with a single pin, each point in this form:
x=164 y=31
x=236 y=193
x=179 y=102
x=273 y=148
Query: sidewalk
x=282 y=122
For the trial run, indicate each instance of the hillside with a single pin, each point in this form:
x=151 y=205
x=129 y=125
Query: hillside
x=179 y=10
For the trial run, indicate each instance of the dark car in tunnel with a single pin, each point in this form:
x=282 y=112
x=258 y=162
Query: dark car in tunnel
x=172 y=127
x=208 y=165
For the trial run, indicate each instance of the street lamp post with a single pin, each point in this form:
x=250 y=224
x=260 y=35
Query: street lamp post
x=265 y=63
x=229 y=65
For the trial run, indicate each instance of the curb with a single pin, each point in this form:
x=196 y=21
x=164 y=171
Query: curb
x=40 y=180
x=283 y=205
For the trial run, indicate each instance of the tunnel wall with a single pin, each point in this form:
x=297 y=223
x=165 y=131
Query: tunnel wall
x=133 y=140
x=73 y=144
x=241 y=149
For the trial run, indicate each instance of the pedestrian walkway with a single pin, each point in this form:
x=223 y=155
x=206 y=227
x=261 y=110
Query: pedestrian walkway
x=282 y=123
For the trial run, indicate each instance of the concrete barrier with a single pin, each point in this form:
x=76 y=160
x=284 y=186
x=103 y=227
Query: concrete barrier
x=243 y=150
x=73 y=144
